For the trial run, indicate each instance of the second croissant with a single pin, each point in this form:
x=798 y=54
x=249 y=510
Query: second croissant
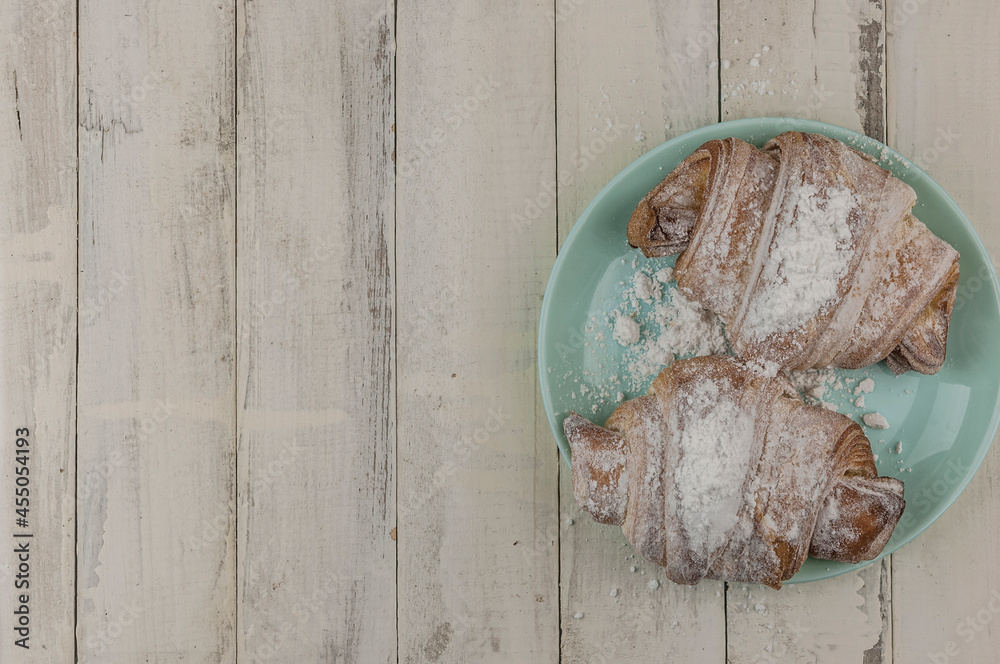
x=722 y=472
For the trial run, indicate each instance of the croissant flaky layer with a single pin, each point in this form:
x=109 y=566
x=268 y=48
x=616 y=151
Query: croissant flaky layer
x=722 y=472
x=806 y=249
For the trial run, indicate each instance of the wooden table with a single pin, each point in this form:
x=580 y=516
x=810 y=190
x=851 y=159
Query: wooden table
x=271 y=282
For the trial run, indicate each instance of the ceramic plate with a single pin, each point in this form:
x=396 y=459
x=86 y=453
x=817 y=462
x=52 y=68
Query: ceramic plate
x=945 y=422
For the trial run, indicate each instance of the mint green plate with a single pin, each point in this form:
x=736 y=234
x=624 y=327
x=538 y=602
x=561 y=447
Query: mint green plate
x=945 y=422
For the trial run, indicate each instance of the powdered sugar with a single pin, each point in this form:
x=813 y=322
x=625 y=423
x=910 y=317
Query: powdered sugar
x=646 y=289
x=875 y=420
x=717 y=444
x=765 y=368
x=682 y=327
x=606 y=365
x=864 y=387
x=664 y=275
x=688 y=329
x=810 y=254
x=656 y=325
x=815 y=385
x=626 y=330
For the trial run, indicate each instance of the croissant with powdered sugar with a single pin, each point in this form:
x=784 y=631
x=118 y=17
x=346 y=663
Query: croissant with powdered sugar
x=722 y=472
x=807 y=251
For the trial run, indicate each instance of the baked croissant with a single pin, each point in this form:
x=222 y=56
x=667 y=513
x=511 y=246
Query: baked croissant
x=807 y=251
x=722 y=472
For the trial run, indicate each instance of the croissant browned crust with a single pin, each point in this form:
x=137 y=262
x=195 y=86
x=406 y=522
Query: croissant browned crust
x=807 y=251
x=722 y=472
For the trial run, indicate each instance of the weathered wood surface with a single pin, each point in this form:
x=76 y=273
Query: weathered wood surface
x=156 y=435
x=316 y=333
x=823 y=60
x=38 y=328
x=942 y=114
x=477 y=529
x=277 y=352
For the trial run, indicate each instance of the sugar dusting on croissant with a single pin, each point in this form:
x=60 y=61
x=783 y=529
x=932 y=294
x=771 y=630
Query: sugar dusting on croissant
x=808 y=252
x=722 y=472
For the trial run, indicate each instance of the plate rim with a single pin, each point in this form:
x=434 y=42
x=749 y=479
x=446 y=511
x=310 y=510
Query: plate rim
x=794 y=124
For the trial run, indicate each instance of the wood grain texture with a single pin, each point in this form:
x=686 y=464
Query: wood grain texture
x=240 y=460
x=944 y=62
x=829 y=51
x=477 y=550
x=38 y=325
x=156 y=376
x=629 y=75
x=838 y=620
x=316 y=401
x=822 y=60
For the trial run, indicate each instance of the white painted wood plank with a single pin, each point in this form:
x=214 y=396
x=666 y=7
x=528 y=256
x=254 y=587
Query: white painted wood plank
x=38 y=328
x=316 y=332
x=820 y=61
x=944 y=61
x=836 y=620
x=156 y=378
x=477 y=464
x=630 y=76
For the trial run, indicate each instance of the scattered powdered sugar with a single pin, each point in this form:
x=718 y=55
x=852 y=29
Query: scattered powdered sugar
x=626 y=330
x=717 y=445
x=664 y=275
x=646 y=289
x=655 y=325
x=820 y=386
x=810 y=254
x=739 y=89
x=684 y=328
x=814 y=385
x=766 y=368
x=875 y=420
x=864 y=387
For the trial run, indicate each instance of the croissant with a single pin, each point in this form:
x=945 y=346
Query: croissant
x=808 y=252
x=722 y=472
